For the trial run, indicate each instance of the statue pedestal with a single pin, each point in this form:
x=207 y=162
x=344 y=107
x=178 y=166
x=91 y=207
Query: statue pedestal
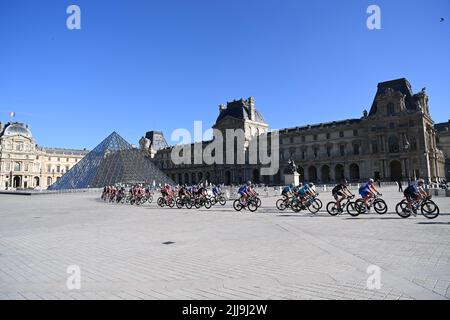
x=292 y=178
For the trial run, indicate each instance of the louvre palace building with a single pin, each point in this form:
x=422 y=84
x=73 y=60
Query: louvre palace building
x=25 y=165
x=396 y=139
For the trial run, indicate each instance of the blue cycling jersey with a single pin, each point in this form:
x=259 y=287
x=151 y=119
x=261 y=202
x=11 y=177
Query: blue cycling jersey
x=302 y=191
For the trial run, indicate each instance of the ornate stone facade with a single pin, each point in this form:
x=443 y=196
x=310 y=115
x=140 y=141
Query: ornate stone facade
x=395 y=139
x=443 y=143
x=24 y=165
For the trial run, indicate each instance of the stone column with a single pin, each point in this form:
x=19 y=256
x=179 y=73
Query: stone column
x=332 y=173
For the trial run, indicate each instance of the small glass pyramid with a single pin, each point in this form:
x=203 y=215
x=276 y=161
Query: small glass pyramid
x=113 y=161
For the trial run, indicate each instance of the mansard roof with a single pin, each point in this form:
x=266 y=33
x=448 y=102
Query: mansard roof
x=323 y=125
x=239 y=109
x=443 y=126
x=402 y=85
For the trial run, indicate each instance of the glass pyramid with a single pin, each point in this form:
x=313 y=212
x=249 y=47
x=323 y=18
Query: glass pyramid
x=113 y=161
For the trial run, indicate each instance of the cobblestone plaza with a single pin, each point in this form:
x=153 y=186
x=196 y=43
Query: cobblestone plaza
x=129 y=252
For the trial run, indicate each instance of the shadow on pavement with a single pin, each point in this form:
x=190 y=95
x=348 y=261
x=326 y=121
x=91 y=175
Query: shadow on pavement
x=441 y=223
x=373 y=218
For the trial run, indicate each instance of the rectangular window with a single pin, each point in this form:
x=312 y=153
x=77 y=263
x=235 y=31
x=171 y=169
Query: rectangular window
x=374 y=147
x=328 y=135
x=303 y=138
x=355 y=133
x=329 y=151
x=342 y=150
x=316 y=152
x=315 y=137
x=341 y=134
x=356 y=149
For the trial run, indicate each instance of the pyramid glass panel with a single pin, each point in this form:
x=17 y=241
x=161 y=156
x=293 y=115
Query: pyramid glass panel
x=113 y=161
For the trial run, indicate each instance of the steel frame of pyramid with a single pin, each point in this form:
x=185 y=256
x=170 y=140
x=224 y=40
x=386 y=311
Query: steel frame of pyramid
x=113 y=161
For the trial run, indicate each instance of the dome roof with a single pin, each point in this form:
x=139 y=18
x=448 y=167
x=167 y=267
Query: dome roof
x=15 y=129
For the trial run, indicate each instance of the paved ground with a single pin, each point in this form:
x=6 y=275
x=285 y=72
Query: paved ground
x=216 y=254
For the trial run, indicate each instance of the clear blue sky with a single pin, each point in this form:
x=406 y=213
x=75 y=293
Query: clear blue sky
x=141 y=65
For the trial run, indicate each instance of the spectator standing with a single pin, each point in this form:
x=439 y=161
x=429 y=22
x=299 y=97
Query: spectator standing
x=400 y=186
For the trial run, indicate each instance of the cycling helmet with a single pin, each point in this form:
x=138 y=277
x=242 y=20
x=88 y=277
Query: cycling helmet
x=344 y=181
x=371 y=181
x=249 y=183
x=311 y=184
x=420 y=182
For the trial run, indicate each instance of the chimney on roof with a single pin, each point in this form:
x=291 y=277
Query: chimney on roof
x=251 y=103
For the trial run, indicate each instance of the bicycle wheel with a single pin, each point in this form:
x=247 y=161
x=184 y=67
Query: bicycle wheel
x=380 y=206
x=319 y=203
x=160 y=202
x=258 y=202
x=430 y=209
x=252 y=205
x=150 y=199
x=188 y=203
x=314 y=207
x=222 y=200
x=179 y=203
x=350 y=207
x=358 y=208
x=207 y=204
x=281 y=204
x=332 y=208
x=401 y=207
x=237 y=205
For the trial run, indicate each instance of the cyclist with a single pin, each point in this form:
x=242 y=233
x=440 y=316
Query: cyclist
x=182 y=191
x=202 y=191
x=287 y=191
x=304 y=192
x=341 y=192
x=414 y=192
x=368 y=191
x=244 y=191
x=216 y=191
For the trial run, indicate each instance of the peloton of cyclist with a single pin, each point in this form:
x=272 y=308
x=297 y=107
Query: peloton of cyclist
x=341 y=192
x=368 y=191
x=414 y=192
